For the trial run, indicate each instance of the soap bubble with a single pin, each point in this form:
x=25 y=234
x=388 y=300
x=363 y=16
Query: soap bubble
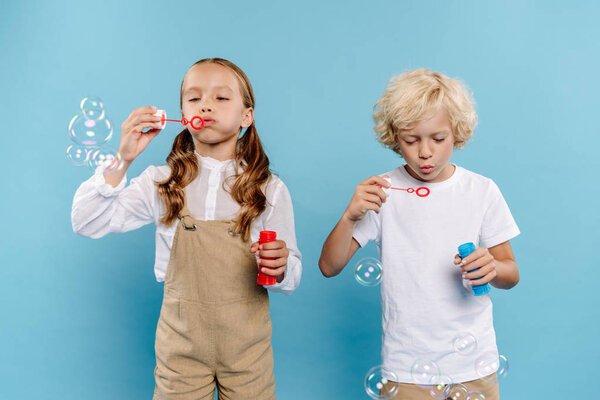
x=465 y=343
x=502 y=368
x=440 y=388
x=490 y=362
x=474 y=396
x=458 y=392
x=78 y=155
x=424 y=372
x=92 y=108
x=106 y=156
x=376 y=383
x=90 y=132
x=368 y=272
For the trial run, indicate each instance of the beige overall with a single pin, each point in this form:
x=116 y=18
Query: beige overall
x=214 y=327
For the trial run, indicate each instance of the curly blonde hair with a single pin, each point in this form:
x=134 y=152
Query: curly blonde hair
x=418 y=95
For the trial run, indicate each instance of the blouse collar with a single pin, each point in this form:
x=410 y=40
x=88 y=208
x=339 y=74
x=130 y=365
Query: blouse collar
x=211 y=163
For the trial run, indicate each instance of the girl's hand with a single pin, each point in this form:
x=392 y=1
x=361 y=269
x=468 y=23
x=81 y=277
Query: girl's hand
x=369 y=195
x=482 y=259
x=133 y=140
x=273 y=255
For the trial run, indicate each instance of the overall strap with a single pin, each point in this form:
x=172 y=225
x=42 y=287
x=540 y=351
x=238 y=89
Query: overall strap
x=186 y=219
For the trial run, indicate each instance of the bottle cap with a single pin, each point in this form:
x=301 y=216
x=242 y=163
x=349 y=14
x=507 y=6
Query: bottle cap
x=267 y=236
x=387 y=191
x=163 y=115
x=466 y=249
x=263 y=279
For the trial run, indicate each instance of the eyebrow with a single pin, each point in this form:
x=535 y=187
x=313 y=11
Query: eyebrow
x=200 y=89
x=431 y=134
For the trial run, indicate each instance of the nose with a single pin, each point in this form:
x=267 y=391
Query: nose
x=424 y=150
x=205 y=106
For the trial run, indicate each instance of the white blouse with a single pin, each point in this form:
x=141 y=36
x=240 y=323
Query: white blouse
x=99 y=209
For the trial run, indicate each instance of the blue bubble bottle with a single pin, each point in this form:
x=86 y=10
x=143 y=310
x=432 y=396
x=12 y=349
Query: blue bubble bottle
x=463 y=251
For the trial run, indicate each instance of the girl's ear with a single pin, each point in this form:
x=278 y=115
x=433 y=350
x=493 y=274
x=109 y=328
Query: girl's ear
x=248 y=117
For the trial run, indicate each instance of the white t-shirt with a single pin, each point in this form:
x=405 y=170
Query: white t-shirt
x=99 y=209
x=424 y=302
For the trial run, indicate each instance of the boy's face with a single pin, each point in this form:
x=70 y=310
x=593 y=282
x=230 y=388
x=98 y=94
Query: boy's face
x=427 y=148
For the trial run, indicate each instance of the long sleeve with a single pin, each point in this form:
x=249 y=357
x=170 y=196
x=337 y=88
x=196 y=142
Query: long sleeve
x=99 y=209
x=279 y=217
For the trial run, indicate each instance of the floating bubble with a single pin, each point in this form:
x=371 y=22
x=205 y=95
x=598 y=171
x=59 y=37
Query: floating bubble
x=92 y=108
x=486 y=364
x=458 y=392
x=106 y=156
x=490 y=367
x=465 y=343
x=503 y=367
x=368 y=272
x=90 y=132
x=77 y=154
x=425 y=372
x=474 y=396
x=440 y=388
x=376 y=383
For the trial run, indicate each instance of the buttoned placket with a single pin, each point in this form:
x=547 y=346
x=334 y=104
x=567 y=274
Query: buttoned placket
x=214 y=179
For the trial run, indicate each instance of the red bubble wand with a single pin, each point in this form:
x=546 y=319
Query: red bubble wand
x=196 y=122
x=420 y=191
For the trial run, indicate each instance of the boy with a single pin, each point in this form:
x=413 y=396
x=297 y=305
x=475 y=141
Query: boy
x=423 y=116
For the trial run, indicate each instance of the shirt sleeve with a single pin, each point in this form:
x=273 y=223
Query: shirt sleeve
x=279 y=217
x=367 y=229
x=498 y=223
x=99 y=209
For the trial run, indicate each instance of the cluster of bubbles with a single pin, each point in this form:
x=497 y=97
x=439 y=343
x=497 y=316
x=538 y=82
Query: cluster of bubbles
x=368 y=272
x=427 y=374
x=90 y=130
x=380 y=382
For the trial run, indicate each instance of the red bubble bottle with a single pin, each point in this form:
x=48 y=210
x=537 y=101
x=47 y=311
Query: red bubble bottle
x=263 y=279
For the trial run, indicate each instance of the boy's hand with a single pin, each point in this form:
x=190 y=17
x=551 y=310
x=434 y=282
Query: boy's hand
x=273 y=255
x=482 y=259
x=369 y=195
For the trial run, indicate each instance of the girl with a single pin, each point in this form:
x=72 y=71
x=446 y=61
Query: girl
x=212 y=199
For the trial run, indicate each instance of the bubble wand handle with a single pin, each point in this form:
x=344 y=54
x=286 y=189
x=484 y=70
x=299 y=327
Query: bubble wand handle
x=463 y=251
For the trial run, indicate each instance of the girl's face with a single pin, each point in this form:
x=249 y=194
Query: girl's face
x=427 y=148
x=212 y=92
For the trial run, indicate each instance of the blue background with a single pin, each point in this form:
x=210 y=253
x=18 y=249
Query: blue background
x=79 y=315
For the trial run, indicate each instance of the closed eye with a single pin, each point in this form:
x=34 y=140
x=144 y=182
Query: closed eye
x=222 y=98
